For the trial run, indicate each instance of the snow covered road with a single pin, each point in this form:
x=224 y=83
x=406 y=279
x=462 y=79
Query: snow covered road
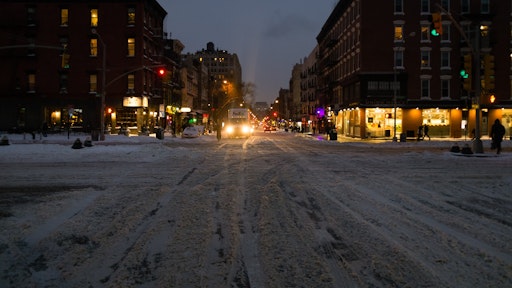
x=274 y=210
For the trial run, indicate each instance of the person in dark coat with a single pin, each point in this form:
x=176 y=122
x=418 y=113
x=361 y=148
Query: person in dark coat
x=420 y=133
x=425 y=132
x=497 y=133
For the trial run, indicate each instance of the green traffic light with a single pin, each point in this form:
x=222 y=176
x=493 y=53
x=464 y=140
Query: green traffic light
x=434 y=32
x=464 y=74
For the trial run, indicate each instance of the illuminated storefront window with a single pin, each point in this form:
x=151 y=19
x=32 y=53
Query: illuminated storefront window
x=380 y=122
x=436 y=117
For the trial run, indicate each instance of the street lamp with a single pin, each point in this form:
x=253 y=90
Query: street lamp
x=103 y=86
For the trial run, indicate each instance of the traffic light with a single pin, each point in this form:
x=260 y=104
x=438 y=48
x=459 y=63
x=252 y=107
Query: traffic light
x=466 y=72
x=436 y=25
x=488 y=72
x=161 y=72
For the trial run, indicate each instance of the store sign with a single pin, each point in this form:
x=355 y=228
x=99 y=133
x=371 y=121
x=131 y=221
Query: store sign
x=135 y=102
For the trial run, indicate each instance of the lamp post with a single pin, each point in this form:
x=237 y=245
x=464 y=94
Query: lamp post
x=103 y=85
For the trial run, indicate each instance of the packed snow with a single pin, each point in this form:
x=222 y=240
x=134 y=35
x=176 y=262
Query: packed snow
x=274 y=210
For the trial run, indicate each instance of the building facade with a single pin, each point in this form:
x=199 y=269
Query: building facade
x=384 y=73
x=82 y=65
x=308 y=99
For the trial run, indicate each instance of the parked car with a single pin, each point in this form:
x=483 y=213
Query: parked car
x=191 y=132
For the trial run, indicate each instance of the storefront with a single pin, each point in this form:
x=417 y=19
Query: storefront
x=381 y=122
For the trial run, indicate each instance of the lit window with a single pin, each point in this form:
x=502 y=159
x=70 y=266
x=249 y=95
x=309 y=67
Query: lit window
x=425 y=59
x=94 y=47
x=399 y=36
x=131 y=82
x=131 y=16
x=94 y=17
x=131 y=47
x=93 y=83
x=31 y=78
x=64 y=17
x=425 y=33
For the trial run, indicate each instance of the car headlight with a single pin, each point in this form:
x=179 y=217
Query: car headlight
x=246 y=129
x=229 y=129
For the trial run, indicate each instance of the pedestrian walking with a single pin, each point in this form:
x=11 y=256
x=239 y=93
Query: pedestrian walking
x=497 y=133
x=420 y=133
x=425 y=132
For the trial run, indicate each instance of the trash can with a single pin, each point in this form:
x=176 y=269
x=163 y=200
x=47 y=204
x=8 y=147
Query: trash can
x=333 y=135
x=95 y=135
x=160 y=133
x=403 y=137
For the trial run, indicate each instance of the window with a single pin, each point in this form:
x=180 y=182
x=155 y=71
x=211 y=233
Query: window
x=466 y=27
x=445 y=60
x=94 y=17
x=425 y=59
x=446 y=5
x=399 y=6
x=464 y=6
x=399 y=59
x=425 y=33
x=63 y=83
x=93 y=83
x=425 y=6
x=64 y=17
x=131 y=16
x=31 y=79
x=399 y=33
x=485 y=39
x=94 y=47
x=31 y=51
x=425 y=88
x=31 y=16
x=445 y=88
x=445 y=37
x=485 y=6
x=131 y=83
x=64 y=43
x=131 y=47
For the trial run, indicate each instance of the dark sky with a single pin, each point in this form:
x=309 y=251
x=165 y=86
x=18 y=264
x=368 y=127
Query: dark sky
x=269 y=36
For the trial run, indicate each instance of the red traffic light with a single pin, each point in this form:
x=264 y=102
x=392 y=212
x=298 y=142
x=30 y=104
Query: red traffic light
x=161 y=71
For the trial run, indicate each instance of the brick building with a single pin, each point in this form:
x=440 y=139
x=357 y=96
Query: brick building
x=377 y=56
x=60 y=59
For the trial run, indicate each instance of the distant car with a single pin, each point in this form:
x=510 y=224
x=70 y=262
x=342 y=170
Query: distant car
x=266 y=128
x=191 y=132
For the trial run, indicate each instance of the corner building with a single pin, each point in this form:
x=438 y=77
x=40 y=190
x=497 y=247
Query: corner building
x=383 y=73
x=59 y=57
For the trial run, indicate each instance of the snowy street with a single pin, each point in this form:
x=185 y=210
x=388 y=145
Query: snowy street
x=274 y=210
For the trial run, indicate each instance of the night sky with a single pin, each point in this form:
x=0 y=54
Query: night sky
x=269 y=36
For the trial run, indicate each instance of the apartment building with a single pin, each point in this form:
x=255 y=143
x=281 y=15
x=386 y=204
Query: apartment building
x=225 y=74
x=82 y=65
x=385 y=73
